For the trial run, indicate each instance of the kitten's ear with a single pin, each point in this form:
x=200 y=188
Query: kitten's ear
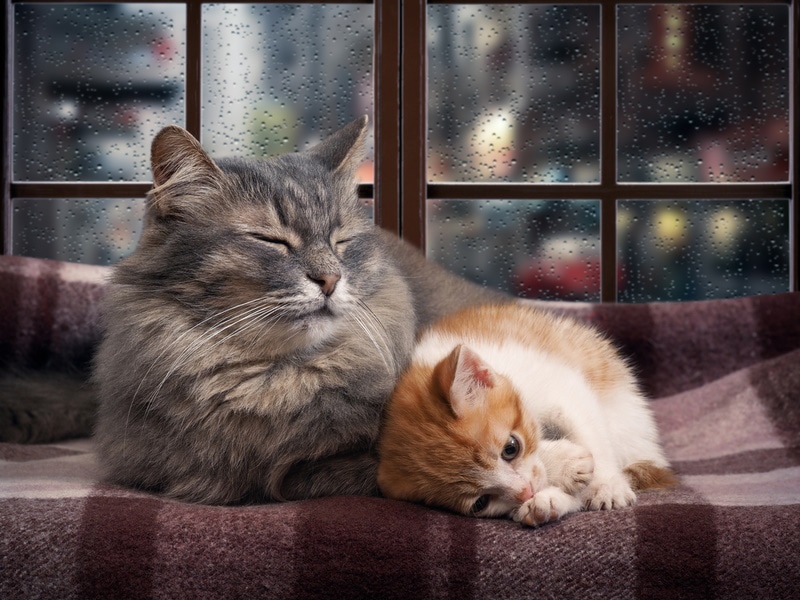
x=343 y=150
x=464 y=378
x=178 y=159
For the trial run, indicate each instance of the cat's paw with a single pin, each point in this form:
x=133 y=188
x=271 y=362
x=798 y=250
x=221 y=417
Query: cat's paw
x=549 y=504
x=576 y=472
x=607 y=493
x=569 y=466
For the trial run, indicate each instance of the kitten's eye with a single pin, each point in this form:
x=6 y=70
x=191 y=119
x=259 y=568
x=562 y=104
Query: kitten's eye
x=480 y=504
x=511 y=449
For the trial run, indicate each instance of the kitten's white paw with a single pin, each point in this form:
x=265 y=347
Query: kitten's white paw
x=549 y=504
x=577 y=471
x=569 y=466
x=608 y=492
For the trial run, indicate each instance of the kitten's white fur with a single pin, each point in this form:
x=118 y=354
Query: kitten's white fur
x=617 y=427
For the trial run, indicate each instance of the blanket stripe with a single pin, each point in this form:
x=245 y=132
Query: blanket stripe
x=677 y=347
x=752 y=461
x=49 y=312
x=675 y=551
x=757 y=552
x=391 y=558
x=116 y=547
x=777 y=383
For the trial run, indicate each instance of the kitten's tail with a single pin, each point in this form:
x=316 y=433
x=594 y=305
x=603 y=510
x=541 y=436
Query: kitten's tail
x=645 y=475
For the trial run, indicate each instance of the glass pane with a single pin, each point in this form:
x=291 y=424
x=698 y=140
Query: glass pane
x=92 y=85
x=368 y=204
x=513 y=93
x=546 y=249
x=94 y=231
x=703 y=93
x=277 y=78
x=702 y=249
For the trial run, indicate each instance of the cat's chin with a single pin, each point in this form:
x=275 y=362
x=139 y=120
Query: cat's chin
x=315 y=328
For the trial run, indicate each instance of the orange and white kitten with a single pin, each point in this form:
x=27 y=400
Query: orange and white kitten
x=511 y=411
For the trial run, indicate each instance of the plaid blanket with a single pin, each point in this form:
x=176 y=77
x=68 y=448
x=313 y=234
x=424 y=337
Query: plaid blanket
x=724 y=377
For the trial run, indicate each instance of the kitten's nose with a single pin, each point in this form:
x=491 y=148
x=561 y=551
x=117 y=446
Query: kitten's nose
x=326 y=282
x=525 y=494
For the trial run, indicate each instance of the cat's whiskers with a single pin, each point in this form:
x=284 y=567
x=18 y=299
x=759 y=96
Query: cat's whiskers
x=174 y=343
x=369 y=323
x=211 y=334
x=177 y=340
x=253 y=319
x=380 y=328
x=189 y=352
x=264 y=312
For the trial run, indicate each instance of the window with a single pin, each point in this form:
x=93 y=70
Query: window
x=601 y=151
x=248 y=80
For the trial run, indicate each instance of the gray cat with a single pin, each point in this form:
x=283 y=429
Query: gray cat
x=254 y=335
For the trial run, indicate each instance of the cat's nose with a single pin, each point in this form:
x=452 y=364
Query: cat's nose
x=326 y=282
x=525 y=494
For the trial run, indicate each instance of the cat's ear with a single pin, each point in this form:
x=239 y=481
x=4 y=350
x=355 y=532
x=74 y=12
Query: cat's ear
x=344 y=150
x=179 y=161
x=175 y=150
x=465 y=378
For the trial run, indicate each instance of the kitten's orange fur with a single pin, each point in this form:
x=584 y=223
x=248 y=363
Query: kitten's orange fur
x=437 y=450
x=452 y=413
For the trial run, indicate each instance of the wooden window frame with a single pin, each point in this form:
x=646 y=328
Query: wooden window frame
x=401 y=188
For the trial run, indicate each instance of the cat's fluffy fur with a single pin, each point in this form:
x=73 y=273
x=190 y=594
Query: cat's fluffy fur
x=255 y=333
x=511 y=411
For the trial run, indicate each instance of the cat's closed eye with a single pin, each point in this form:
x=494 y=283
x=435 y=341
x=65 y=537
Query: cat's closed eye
x=341 y=243
x=279 y=243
